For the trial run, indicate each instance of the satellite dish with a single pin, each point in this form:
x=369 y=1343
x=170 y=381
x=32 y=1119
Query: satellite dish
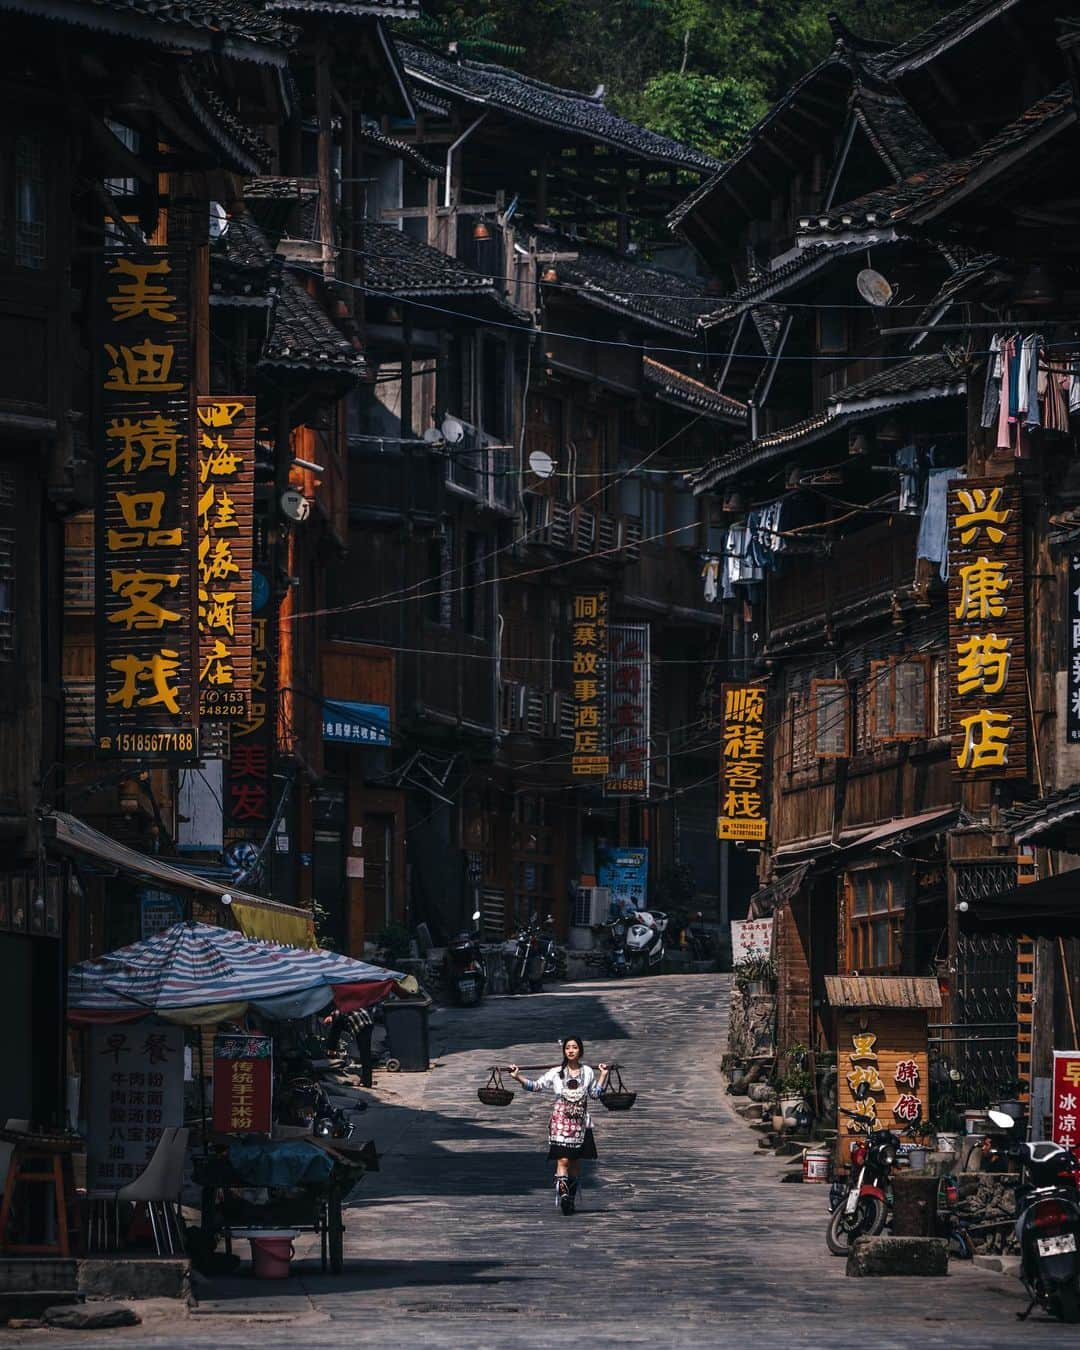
x=452 y=430
x=294 y=505
x=873 y=288
x=432 y=435
x=541 y=464
x=219 y=221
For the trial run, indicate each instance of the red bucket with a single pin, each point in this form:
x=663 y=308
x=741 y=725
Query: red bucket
x=271 y=1254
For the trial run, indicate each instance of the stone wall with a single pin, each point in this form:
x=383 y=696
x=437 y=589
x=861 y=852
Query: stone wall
x=987 y=1207
x=752 y=1026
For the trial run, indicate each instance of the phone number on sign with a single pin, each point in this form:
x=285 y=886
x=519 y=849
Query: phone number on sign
x=150 y=743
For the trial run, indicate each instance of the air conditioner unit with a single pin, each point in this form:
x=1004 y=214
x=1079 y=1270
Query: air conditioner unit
x=591 y=905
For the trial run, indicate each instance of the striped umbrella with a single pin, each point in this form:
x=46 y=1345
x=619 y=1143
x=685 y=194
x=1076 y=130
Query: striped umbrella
x=195 y=973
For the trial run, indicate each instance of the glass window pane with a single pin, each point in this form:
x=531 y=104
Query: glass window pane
x=880 y=934
x=881 y=694
x=831 y=718
x=911 y=698
x=860 y=897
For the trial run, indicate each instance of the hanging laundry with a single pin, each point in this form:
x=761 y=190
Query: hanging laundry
x=738 y=567
x=933 y=541
x=992 y=391
x=1074 y=385
x=1009 y=366
x=711 y=573
x=1033 y=347
x=907 y=461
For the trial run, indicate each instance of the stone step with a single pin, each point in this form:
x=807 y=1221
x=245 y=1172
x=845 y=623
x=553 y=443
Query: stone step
x=27 y=1274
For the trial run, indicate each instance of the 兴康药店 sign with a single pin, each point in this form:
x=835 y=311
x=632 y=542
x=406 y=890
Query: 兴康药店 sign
x=146 y=704
x=742 y=763
x=987 y=683
x=629 y=688
x=225 y=507
x=588 y=672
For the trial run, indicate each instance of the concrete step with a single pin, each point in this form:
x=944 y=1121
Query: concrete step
x=27 y=1274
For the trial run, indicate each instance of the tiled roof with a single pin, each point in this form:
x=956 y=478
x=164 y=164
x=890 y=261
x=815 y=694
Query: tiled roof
x=277 y=188
x=247 y=150
x=777 y=281
x=401 y=149
x=913 y=381
x=176 y=21
x=624 y=285
x=685 y=390
x=302 y=338
x=1028 y=820
x=360 y=9
x=894 y=129
x=241 y=260
x=397 y=266
x=546 y=105
x=921 y=192
x=951 y=28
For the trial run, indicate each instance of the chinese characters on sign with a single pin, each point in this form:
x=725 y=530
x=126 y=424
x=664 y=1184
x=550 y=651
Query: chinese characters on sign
x=1066 y=1104
x=143 y=526
x=1072 y=637
x=589 y=649
x=742 y=763
x=136 y=1091
x=629 y=681
x=986 y=629
x=751 y=940
x=224 y=509
x=356 y=723
x=242 y=1084
x=249 y=766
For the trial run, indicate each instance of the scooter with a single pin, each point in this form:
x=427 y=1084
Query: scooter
x=1048 y=1228
x=645 y=941
x=527 y=966
x=554 y=955
x=860 y=1203
x=464 y=968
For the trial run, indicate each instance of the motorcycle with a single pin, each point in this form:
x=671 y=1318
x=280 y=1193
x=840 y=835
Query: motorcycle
x=554 y=955
x=645 y=941
x=859 y=1203
x=303 y=1101
x=464 y=968
x=527 y=965
x=1048 y=1227
x=614 y=953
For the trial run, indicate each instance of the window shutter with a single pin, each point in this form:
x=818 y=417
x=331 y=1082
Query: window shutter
x=831 y=718
x=911 y=704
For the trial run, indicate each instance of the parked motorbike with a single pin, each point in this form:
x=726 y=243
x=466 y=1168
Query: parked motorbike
x=303 y=1101
x=527 y=966
x=859 y=1202
x=613 y=955
x=1048 y=1227
x=645 y=941
x=464 y=968
x=554 y=955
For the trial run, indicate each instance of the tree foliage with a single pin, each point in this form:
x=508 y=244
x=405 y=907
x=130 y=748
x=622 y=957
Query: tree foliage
x=669 y=63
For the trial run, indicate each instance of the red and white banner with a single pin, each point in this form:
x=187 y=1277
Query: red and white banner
x=1066 y=1098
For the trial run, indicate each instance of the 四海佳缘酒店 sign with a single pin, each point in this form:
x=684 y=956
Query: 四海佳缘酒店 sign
x=742 y=763
x=987 y=684
x=588 y=673
x=225 y=507
x=146 y=703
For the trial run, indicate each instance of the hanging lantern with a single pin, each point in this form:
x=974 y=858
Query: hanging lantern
x=480 y=230
x=549 y=273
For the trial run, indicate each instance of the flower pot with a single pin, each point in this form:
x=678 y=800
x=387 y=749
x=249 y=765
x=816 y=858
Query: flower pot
x=948 y=1141
x=976 y=1121
x=758 y=988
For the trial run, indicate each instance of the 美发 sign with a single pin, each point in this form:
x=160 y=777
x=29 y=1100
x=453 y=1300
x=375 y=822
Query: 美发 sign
x=987 y=688
x=751 y=939
x=356 y=723
x=629 y=687
x=243 y=1079
x=145 y=648
x=136 y=1092
x=225 y=518
x=1066 y=1104
x=742 y=763
x=588 y=655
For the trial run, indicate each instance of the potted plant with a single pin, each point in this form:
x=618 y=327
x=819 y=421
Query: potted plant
x=795 y=1091
x=944 y=1125
x=757 y=975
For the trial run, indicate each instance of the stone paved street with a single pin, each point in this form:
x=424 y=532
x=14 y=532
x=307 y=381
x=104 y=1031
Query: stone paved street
x=686 y=1236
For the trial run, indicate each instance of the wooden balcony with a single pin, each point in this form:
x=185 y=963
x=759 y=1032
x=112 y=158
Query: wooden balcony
x=863 y=567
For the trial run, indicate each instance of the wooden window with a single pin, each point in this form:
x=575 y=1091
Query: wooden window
x=30 y=198
x=900 y=698
x=441 y=573
x=832 y=326
x=876 y=899
x=940 y=676
x=797 y=716
x=830 y=705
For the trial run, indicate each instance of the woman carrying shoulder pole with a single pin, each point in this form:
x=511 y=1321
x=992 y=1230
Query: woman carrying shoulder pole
x=570 y=1136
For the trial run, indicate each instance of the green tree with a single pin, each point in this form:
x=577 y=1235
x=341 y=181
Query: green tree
x=710 y=113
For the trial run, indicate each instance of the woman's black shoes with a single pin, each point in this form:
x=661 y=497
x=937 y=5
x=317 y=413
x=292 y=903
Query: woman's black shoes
x=564 y=1196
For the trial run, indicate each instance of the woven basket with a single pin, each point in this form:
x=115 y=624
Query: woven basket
x=493 y=1093
x=615 y=1096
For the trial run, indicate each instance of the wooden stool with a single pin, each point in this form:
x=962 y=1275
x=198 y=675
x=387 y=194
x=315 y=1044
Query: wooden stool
x=42 y=1161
